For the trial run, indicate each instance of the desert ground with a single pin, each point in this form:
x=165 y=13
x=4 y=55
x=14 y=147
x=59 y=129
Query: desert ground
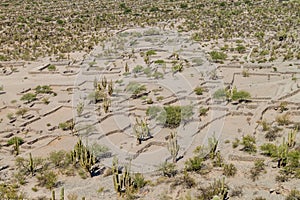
x=151 y=111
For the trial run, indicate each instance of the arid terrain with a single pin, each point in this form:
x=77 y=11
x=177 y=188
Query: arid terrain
x=149 y=100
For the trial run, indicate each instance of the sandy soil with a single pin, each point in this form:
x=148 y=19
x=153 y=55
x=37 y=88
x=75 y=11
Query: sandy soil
x=39 y=127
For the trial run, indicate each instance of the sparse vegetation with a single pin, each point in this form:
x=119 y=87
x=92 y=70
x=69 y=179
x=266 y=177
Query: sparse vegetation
x=74 y=40
x=258 y=168
x=249 y=144
x=198 y=90
x=229 y=170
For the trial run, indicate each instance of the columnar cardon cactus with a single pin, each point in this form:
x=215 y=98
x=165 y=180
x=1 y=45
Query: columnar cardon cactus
x=110 y=88
x=141 y=130
x=106 y=104
x=122 y=181
x=82 y=155
x=282 y=154
x=173 y=146
x=104 y=82
x=213 y=144
x=292 y=137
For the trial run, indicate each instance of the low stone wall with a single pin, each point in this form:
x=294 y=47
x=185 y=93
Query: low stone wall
x=29 y=122
x=52 y=111
x=289 y=95
x=243 y=158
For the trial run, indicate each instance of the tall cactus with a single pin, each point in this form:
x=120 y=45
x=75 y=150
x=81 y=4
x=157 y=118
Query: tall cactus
x=173 y=146
x=80 y=108
x=106 y=104
x=126 y=68
x=122 y=181
x=53 y=195
x=141 y=130
x=83 y=156
x=282 y=154
x=95 y=83
x=31 y=164
x=213 y=144
x=110 y=88
x=223 y=190
x=292 y=137
x=62 y=194
x=16 y=146
x=104 y=82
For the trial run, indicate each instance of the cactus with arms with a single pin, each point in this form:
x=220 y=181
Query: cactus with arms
x=141 y=130
x=122 y=182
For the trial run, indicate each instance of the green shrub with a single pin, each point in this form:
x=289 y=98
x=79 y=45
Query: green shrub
x=265 y=125
x=47 y=179
x=147 y=71
x=235 y=143
x=229 y=170
x=203 y=111
x=13 y=140
x=217 y=188
x=135 y=88
x=10 y=116
x=259 y=167
x=22 y=111
x=198 y=90
x=59 y=159
x=51 y=68
x=269 y=149
x=173 y=117
x=220 y=94
x=137 y=69
x=45 y=89
x=151 y=52
x=168 y=169
x=272 y=133
x=249 y=144
x=160 y=62
x=139 y=180
x=215 y=55
x=283 y=119
x=240 y=95
x=66 y=125
x=194 y=164
x=29 y=97
x=157 y=75
x=293 y=195
x=240 y=49
x=11 y=191
x=153 y=111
